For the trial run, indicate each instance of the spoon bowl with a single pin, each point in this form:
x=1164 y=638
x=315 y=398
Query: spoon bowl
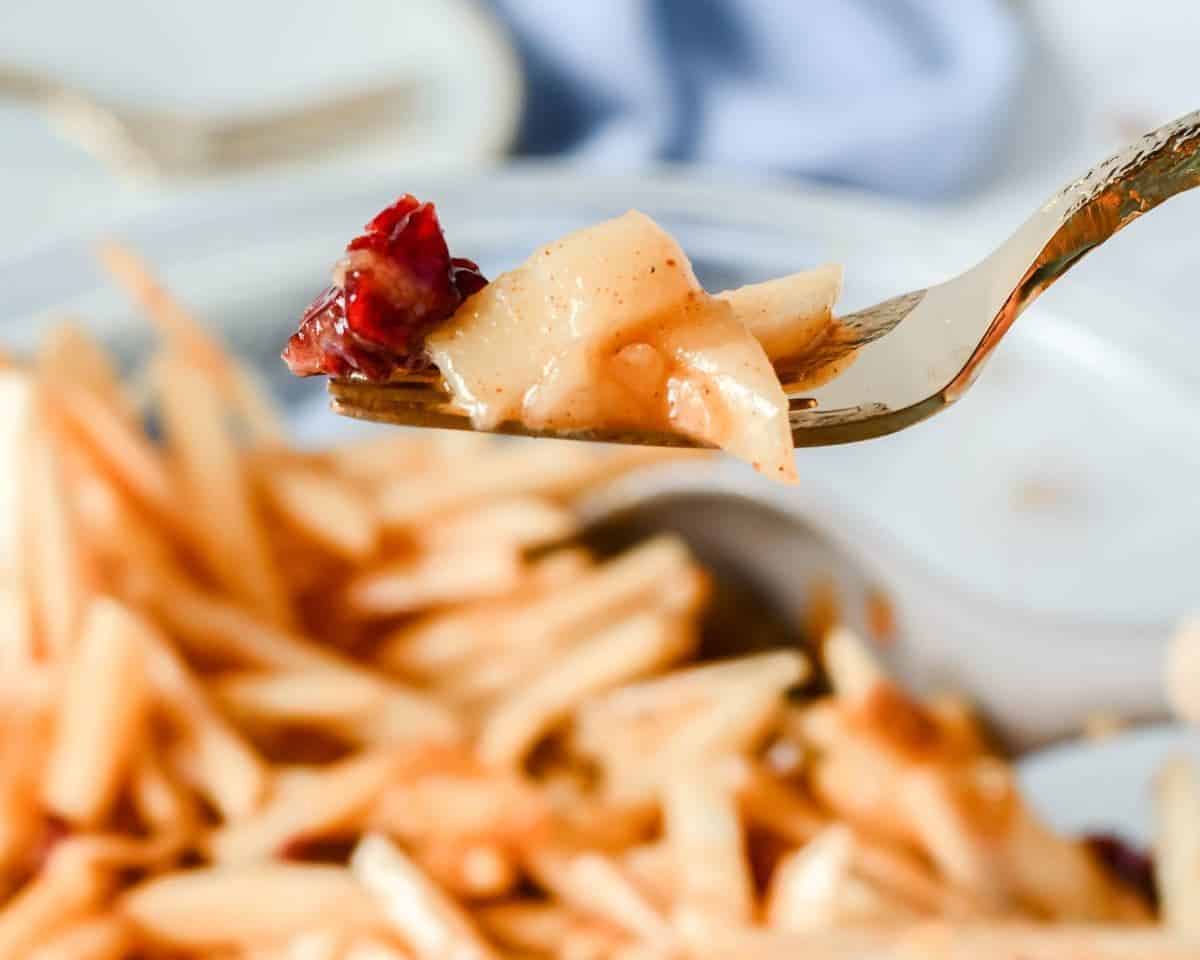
x=786 y=566
x=777 y=581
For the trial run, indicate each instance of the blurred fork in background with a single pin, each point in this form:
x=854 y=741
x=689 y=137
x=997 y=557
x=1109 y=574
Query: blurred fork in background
x=167 y=142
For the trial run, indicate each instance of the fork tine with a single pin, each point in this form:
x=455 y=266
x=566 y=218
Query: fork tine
x=421 y=402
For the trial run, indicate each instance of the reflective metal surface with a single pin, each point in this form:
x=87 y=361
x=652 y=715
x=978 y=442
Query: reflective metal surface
x=910 y=356
x=922 y=350
x=782 y=564
x=167 y=142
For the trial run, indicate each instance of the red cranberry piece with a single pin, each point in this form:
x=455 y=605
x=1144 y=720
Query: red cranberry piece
x=466 y=277
x=1131 y=866
x=325 y=344
x=397 y=284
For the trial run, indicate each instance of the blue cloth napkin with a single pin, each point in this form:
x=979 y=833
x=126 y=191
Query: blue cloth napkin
x=902 y=96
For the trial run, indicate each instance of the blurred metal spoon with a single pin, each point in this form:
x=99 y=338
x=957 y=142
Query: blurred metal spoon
x=776 y=579
x=167 y=142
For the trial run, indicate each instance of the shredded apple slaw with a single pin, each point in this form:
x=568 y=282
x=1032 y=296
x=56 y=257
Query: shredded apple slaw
x=371 y=701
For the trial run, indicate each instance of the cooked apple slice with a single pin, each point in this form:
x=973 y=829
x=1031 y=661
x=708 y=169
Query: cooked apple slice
x=608 y=328
x=788 y=314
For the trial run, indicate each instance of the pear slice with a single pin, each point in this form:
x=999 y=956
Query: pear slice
x=608 y=328
x=789 y=314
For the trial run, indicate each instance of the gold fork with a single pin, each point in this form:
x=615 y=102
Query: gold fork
x=916 y=353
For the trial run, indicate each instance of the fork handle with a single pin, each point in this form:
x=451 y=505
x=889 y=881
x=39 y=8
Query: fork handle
x=21 y=84
x=1083 y=215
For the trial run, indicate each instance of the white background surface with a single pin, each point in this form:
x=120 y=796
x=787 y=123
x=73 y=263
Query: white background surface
x=1105 y=785
x=230 y=58
x=1102 y=71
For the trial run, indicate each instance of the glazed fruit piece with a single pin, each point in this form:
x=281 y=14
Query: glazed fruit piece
x=395 y=284
x=605 y=329
x=609 y=328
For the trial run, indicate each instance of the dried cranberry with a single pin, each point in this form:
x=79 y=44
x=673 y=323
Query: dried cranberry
x=1133 y=867
x=466 y=277
x=318 y=849
x=398 y=283
x=324 y=343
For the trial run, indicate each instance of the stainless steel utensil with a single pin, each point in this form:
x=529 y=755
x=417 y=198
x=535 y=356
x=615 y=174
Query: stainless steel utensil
x=916 y=353
x=778 y=563
x=167 y=142
x=777 y=580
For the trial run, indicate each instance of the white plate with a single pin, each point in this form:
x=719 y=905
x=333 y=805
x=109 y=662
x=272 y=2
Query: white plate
x=232 y=58
x=1105 y=786
x=1039 y=538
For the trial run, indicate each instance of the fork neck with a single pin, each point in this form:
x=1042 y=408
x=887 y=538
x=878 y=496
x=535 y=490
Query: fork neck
x=1082 y=216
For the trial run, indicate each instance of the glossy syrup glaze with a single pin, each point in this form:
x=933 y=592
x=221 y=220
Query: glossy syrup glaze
x=608 y=329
